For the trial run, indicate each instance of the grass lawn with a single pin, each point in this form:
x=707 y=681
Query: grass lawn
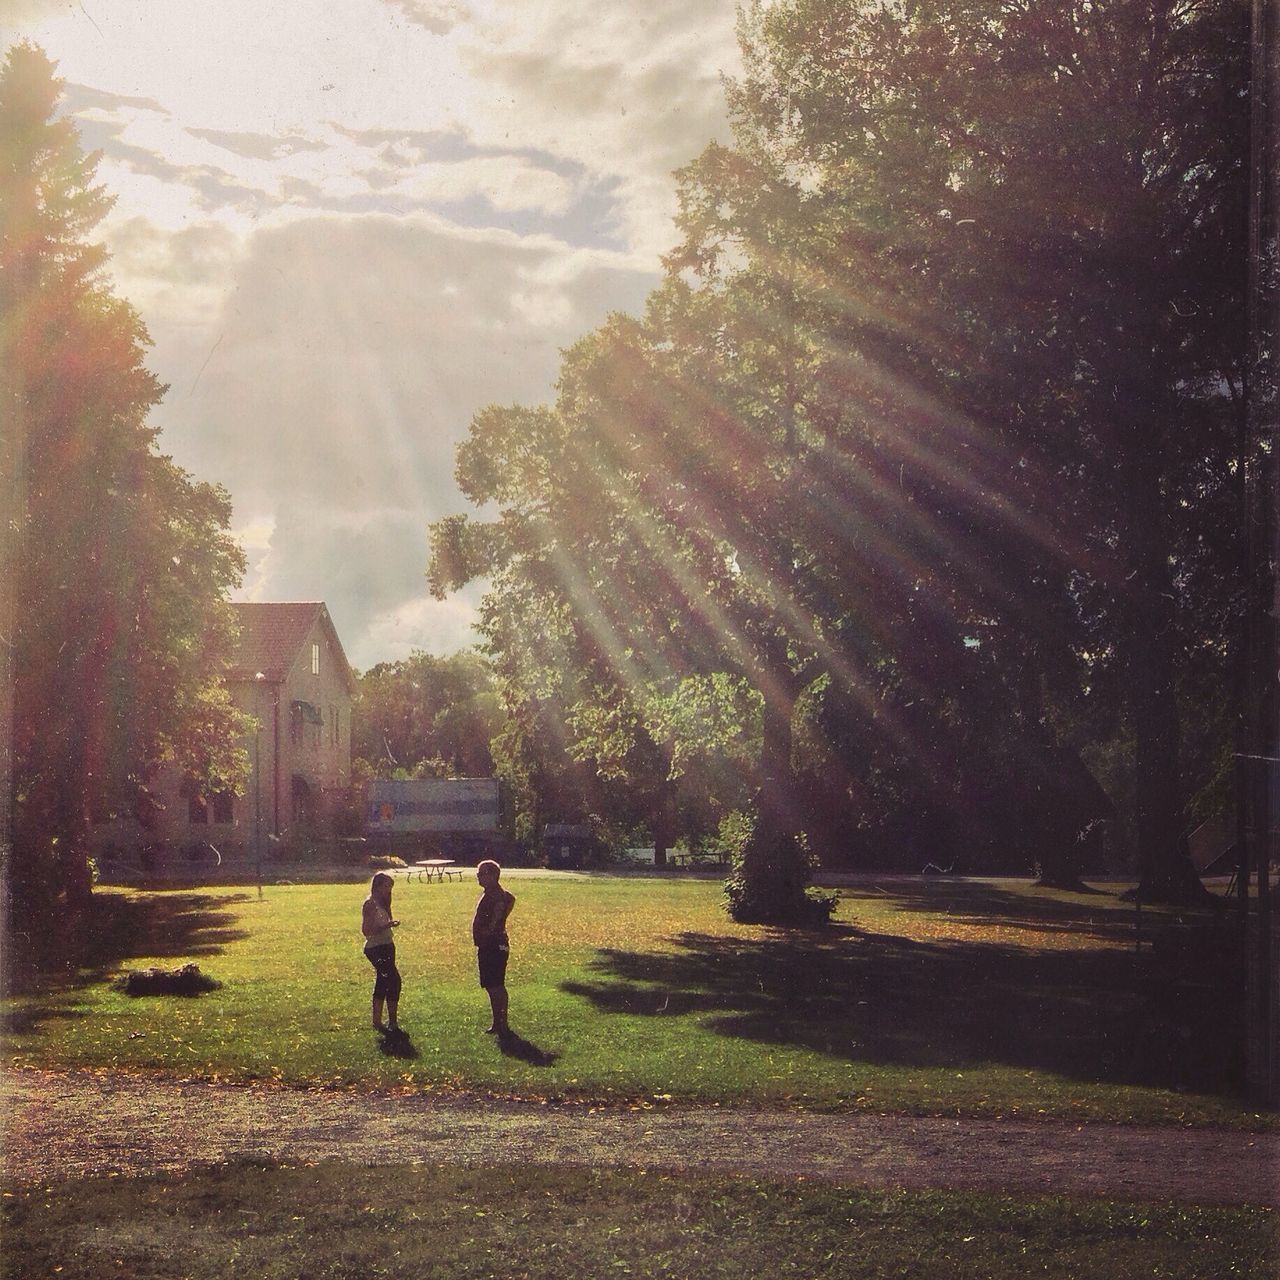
x=964 y=997
x=325 y=1222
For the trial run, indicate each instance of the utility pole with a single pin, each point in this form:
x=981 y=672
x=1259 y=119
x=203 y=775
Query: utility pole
x=1260 y=715
x=258 y=680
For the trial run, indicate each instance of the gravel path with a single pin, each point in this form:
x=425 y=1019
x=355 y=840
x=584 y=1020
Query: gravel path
x=71 y=1124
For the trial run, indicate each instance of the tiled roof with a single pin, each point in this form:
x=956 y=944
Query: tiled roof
x=270 y=637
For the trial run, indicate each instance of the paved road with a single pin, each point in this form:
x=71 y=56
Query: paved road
x=61 y=1125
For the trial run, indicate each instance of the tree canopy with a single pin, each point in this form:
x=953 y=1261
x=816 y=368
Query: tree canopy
x=425 y=716
x=928 y=435
x=120 y=561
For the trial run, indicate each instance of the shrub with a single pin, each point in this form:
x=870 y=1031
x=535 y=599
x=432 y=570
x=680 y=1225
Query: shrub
x=769 y=869
x=184 y=981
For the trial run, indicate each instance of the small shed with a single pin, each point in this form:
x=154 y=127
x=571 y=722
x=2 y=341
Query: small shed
x=566 y=844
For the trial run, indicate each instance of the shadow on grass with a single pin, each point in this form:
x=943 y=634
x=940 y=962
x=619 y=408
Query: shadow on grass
x=980 y=904
x=397 y=1044
x=514 y=1045
x=1106 y=1015
x=114 y=929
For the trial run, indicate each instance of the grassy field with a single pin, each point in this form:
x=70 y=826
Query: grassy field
x=328 y=1222
x=945 y=997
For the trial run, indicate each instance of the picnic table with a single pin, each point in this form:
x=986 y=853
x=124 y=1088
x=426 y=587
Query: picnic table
x=428 y=869
x=691 y=858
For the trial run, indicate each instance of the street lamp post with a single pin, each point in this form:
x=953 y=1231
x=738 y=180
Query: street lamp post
x=258 y=681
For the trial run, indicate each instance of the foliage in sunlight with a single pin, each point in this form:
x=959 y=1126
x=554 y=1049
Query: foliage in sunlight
x=926 y=439
x=118 y=561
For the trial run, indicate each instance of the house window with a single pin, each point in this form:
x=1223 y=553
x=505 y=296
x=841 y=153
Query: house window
x=306 y=725
x=223 y=807
x=197 y=811
x=315 y=659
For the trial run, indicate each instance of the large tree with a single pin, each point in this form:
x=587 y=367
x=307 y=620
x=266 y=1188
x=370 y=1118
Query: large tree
x=929 y=426
x=643 y=547
x=1034 y=214
x=591 y=724
x=120 y=561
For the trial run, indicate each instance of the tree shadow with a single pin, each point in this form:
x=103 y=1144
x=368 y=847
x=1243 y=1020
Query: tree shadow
x=397 y=1044
x=28 y=1019
x=1102 y=915
x=1101 y=1015
x=1098 y=914
x=112 y=930
x=514 y=1045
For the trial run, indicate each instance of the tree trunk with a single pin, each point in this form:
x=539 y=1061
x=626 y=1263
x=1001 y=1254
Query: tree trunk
x=77 y=881
x=72 y=824
x=1146 y=603
x=661 y=831
x=1166 y=873
x=32 y=876
x=768 y=885
x=1050 y=828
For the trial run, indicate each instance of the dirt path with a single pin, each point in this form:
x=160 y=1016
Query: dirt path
x=66 y=1125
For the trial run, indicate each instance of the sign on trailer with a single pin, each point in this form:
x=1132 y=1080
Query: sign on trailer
x=417 y=805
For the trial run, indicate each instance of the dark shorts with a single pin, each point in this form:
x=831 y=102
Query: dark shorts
x=493 y=964
x=386 y=986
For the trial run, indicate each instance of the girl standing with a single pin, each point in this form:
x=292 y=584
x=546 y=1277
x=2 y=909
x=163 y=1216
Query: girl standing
x=379 y=949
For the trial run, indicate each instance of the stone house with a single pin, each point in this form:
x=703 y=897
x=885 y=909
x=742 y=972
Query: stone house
x=290 y=675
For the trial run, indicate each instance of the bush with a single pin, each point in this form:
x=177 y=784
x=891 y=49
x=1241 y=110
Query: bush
x=184 y=981
x=767 y=883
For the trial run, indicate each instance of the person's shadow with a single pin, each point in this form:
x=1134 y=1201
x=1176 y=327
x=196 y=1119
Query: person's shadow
x=516 y=1046
x=397 y=1044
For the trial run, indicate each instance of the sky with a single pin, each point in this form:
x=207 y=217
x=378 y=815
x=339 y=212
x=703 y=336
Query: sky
x=350 y=224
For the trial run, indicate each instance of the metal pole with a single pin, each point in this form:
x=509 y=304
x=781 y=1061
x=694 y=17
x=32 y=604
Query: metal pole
x=1262 y=705
x=258 y=680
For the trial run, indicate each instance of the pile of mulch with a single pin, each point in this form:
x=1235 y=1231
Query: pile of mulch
x=184 y=981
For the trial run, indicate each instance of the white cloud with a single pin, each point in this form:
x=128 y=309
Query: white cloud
x=174 y=277
x=507 y=183
x=368 y=568
x=243 y=65
x=19 y=15
x=434 y=626
x=330 y=389
x=627 y=91
x=255 y=540
x=630 y=89
x=437 y=16
x=348 y=227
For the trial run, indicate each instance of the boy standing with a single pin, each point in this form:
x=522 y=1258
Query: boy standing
x=489 y=933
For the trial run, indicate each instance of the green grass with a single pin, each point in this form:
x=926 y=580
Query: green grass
x=328 y=1222
x=975 y=997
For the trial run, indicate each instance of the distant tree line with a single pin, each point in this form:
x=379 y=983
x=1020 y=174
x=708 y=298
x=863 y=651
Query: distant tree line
x=913 y=497
x=425 y=717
